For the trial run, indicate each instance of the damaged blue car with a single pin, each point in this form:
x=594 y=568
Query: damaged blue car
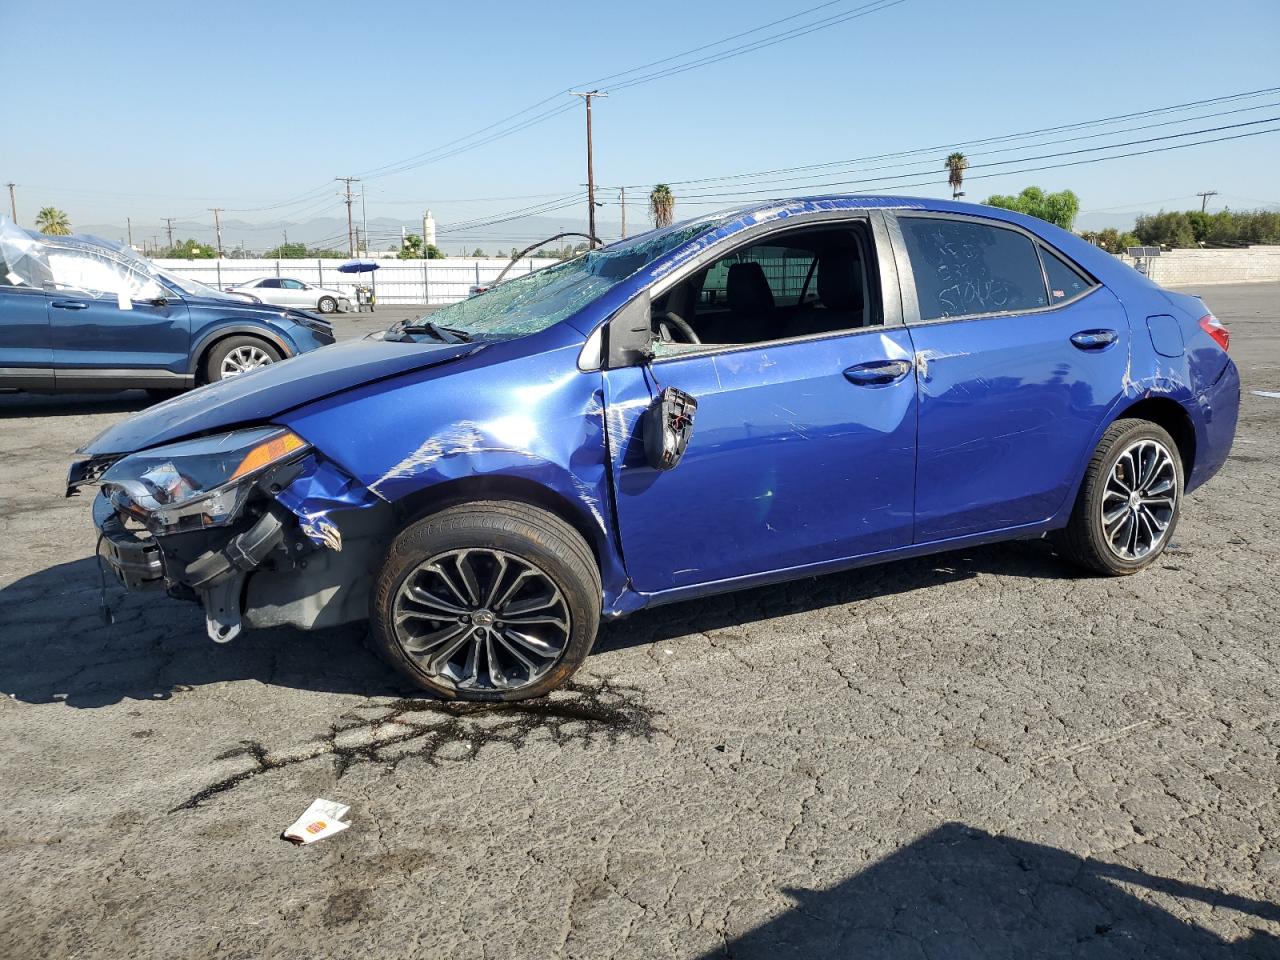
x=764 y=394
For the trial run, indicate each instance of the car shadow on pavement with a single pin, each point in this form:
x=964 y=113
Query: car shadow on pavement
x=1019 y=558
x=961 y=892
x=16 y=405
x=56 y=648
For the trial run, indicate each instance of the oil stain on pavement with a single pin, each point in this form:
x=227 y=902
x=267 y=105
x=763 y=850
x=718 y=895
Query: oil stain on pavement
x=435 y=731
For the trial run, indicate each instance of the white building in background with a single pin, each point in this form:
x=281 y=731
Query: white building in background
x=428 y=229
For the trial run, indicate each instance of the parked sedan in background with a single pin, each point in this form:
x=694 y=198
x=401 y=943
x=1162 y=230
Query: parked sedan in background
x=761 y=395
x=288 y=292
x=80 y=313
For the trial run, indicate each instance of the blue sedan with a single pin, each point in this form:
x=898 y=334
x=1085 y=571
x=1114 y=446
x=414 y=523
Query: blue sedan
x=764 y=394
x=79 y=313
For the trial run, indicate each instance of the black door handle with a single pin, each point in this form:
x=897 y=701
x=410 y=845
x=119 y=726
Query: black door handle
x=1094 y=339
x=70 y=305
x=878 y=373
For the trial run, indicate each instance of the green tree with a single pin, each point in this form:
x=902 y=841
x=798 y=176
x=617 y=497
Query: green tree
x=53 y=221
x=1162 y=229
x=287 y=251
x=1111 y=239
x=956 y=165
x=434 y=252
x=191 y=250
x=411 y=249
x=1058 y=208
x=662 y=205
x=477 y=252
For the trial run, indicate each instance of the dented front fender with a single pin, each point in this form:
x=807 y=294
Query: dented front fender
x=531 y=417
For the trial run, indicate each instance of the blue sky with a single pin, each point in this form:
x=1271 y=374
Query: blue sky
x=161 y=109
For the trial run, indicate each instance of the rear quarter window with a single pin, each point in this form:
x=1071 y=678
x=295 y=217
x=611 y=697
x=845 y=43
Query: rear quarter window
x=962 y=268
x=1065 y=281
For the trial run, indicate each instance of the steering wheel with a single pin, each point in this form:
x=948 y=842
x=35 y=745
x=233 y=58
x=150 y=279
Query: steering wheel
x=680 y=324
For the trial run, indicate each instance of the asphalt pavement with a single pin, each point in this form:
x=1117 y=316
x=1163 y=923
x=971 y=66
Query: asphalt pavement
x=980 y=754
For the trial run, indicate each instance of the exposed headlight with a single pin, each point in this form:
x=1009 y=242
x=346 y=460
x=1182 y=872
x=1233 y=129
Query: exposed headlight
x=197 y=483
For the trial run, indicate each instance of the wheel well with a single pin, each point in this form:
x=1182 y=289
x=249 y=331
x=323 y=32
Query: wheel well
x=435 y=498
x=207 y=349
x=1170 y=415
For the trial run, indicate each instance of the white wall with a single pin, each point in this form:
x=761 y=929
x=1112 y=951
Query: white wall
x=396 y=281
x=1195 y=267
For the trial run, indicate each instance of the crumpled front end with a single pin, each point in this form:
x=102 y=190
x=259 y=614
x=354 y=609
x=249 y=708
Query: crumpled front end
x=255 y=525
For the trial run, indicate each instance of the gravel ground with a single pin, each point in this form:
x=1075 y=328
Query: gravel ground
x=979 y=754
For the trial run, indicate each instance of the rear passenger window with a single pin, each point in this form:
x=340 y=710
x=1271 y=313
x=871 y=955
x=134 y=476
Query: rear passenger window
x=1065 y=281
x=963 y=268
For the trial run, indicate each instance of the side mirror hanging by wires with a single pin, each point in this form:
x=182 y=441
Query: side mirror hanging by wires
x=668 y=425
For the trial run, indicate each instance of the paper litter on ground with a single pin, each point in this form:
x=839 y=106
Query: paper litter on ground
x=322 y=819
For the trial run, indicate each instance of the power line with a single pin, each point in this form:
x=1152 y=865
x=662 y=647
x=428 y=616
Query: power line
x=995 y=163
x=943 y=147
x=460 y=145
x=1051 y=166
x=930 y=165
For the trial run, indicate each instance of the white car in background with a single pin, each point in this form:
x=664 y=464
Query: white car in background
x=288 y=292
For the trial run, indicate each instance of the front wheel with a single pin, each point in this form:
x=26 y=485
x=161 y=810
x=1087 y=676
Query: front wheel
x=327 y=305
x=487 y=601
x=1129 y=501
x=236 y=355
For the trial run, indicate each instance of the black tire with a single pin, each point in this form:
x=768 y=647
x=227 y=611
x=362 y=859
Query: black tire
x=527 y=533
x=327 y=305
x=213 y=364
x=1084 y=540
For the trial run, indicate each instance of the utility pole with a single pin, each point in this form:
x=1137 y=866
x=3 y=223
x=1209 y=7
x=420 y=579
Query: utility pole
x=169 y=223
x=622 y=202
x=587 y=96
x=13 y=203
x=217 y=228
x=349 y=199
x=129 y=226
x=364 y=220
x=1204 y=196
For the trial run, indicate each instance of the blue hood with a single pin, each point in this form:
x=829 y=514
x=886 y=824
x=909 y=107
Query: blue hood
x=269 y=391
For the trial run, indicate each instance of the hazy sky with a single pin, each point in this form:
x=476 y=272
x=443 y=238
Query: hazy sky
x=149 y=109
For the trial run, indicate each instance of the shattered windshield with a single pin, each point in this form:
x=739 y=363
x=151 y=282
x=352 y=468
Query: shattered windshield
x=538 y=300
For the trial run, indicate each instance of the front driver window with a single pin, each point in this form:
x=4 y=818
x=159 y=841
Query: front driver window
x=806 y=282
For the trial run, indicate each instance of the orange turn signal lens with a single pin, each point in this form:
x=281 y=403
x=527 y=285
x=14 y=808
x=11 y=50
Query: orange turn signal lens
x=268 y=452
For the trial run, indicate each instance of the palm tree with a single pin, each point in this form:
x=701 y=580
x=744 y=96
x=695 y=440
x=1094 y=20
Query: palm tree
x=956 y=165
x=53 y=221
x=662 y=205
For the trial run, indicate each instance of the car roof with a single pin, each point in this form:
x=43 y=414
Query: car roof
x=1094 y=259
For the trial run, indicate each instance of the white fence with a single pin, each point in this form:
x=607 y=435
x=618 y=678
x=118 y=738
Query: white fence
x=396 y=281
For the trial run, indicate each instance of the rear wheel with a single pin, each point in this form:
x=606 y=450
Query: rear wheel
x=1128 y=504
x=236 y=355
x=487 y=601
x=327 y=305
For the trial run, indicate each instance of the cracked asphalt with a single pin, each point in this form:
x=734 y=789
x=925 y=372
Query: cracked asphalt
x=981 y=754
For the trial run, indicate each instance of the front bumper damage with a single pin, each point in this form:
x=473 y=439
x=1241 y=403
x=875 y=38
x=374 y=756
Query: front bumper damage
x=301 y=552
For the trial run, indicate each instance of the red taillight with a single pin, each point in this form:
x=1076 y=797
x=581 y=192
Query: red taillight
x=1214 y=328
